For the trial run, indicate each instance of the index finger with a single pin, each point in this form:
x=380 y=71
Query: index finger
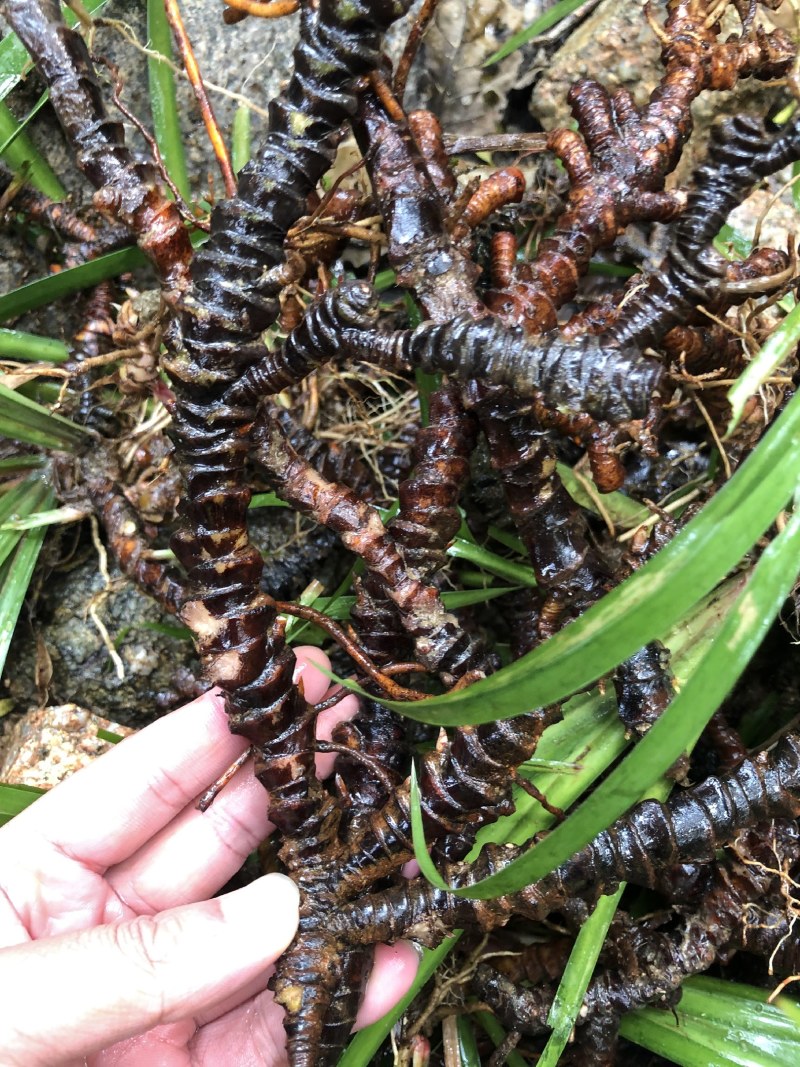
x=109 y=809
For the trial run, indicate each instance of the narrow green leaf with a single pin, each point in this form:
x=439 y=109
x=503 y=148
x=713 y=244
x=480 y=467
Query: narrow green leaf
x=16 y=798
x=678 y=728
x=108 y=735
x=611 y=270
x=621 y=509
x=720 y=1024
x=426 y=864
x=241 y=138
x=17 y=573
x=52 y=517
x=14 y=63
x=577 y=974
x=550 y=17
x=649 y=603
x=732 y=243
x=25 y=420
x=363 y=1048
x=163 y=98
x=24 y=158
x=467 y=1045
x=384 y=280
x=26 y=499
x=20 y=463
x=780 y=344
x=72 y=280
x=267 y=500
x=796 y=186
x=491 y=562
x=30 y=348
x=497 y=1034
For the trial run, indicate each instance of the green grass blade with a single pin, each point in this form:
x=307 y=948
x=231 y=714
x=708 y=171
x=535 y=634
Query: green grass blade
x=550 y=17
x=720 y=1024
x=678 y=728
x=30 y=348
x=779 y=345
x=497 y=1034
x=23 y=501
x=72 y=280
x=16 y=575
x=16 y=798
x=649 y=603
x=24 y=158
x=25 y=420
x=14 y=464
x=364 y=1047
x=577 y=975
x=163 y=99
x=52 y=517
x=241 y=138
x=468 y=1053
x=621 y=509
x=518 y=573
x=421 y=854
x=14 y=63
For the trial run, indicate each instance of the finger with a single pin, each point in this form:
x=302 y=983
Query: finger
x=392 y=976
x=105 y=812
x=315 y=683
x=327 y=721
x=196 y=854
x=154 y=971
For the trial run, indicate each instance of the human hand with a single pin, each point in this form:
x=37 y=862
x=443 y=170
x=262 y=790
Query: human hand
x=111 y=952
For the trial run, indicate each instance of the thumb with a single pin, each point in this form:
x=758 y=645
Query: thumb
x=65 y=997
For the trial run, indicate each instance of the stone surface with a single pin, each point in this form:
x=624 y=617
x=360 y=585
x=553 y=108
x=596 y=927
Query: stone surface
x=49 y=744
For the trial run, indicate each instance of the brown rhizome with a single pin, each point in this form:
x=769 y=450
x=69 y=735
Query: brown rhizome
x=531 y=369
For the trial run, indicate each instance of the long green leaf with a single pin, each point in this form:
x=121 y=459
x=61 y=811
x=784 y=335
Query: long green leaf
x=421 y=854
x=496 y=1032
x=21 y=502
x=72 y=280
x=24 y=158
x=241 y=139
x=16 y=798
x=362 y=1049
x=25 y=420
x=720 y=1024
x=29 y=347
x=577 y=974
x=678 y=728
x=779 y=345
x=163 y=98
x=17 y=573
x=550 y=17
x=649 y=603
